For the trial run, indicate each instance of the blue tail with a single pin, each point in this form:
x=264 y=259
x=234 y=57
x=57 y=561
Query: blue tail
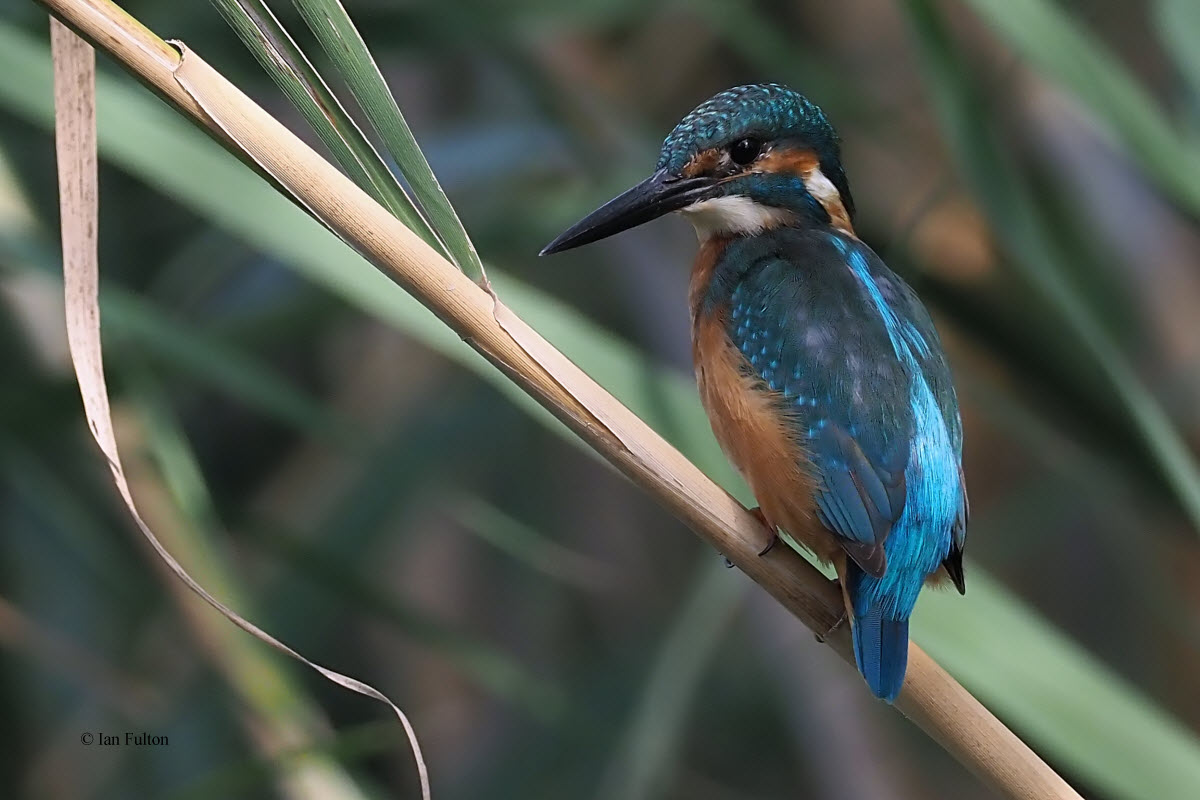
x=879 y=623
x=881 y=651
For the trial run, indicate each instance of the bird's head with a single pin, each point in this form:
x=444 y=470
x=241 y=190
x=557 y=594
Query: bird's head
x=745 y=160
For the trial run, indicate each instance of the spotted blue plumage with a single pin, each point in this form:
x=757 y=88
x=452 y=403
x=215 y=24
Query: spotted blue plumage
x=858 y=369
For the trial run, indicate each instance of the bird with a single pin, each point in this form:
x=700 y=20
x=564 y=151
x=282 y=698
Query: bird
x=822 y=374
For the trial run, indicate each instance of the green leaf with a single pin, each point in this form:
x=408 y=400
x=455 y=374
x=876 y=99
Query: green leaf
x=146 y=139
x=754 y=34
x=294 y=74
x=1074 y=709
x=1034 y=677
x=221 y=365
x=278 y=703
x=1178 y=23
x=488 y=667
x=649 y=750
x=345 y=47
x=1011 y=205
x=528 y=546
x=204 y=357
x=1061 y=48
x=251 y=777
x=36 y=478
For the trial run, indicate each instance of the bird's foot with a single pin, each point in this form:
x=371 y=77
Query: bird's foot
x=822 y=637
x=773 y=537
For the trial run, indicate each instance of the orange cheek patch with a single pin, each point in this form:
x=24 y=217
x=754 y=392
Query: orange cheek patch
x=702 y=163
x=805 y=164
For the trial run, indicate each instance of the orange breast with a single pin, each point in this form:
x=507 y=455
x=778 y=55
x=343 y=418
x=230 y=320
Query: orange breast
x=750 y=421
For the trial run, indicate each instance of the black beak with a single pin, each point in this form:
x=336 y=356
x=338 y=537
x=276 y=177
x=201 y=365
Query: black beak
x=659 y=194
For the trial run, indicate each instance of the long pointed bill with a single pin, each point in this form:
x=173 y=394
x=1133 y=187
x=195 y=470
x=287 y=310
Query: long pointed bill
x=659 y=194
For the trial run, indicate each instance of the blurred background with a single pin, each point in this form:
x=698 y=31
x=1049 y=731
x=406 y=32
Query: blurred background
x=318 y=451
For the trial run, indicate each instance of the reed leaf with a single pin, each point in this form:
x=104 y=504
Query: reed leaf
x=274 y=48
x=1178 y=23
x=1011 y=205
x=282 y=710
x=1062 y=49
x=204 y=358
x=649 y=749
x=344 y=45
x=1118 y=742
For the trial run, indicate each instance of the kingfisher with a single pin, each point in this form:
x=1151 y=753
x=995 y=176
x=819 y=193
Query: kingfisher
x=821 y=372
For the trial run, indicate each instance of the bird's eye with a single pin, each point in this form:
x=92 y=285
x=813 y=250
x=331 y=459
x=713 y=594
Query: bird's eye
x=744 y=151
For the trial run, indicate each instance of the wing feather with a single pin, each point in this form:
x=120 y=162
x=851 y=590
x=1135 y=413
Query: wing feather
x=844 y=390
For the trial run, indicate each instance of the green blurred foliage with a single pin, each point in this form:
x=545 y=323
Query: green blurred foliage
x=339 y=464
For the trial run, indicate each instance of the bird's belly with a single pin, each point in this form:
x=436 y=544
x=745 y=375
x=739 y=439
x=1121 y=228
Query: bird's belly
x=751 y=427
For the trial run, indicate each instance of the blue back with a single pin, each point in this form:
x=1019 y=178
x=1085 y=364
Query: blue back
x=860 y=371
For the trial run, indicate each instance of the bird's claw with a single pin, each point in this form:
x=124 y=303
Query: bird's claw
x=822 y=637
x=774 y=537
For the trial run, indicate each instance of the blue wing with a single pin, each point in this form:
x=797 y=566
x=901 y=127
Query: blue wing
x=926 y=347
x=807 y=333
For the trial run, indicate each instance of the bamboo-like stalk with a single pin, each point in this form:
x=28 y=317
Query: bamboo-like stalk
x=931 y=698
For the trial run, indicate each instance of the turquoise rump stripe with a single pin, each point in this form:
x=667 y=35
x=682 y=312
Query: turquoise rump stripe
x=920 y=538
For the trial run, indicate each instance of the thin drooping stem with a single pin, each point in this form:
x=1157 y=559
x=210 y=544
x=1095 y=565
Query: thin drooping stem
x=931 y=698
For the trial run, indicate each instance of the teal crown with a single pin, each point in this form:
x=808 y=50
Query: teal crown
x=763 y=110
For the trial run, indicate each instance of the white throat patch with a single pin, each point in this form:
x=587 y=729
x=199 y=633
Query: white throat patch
x=733 y=215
